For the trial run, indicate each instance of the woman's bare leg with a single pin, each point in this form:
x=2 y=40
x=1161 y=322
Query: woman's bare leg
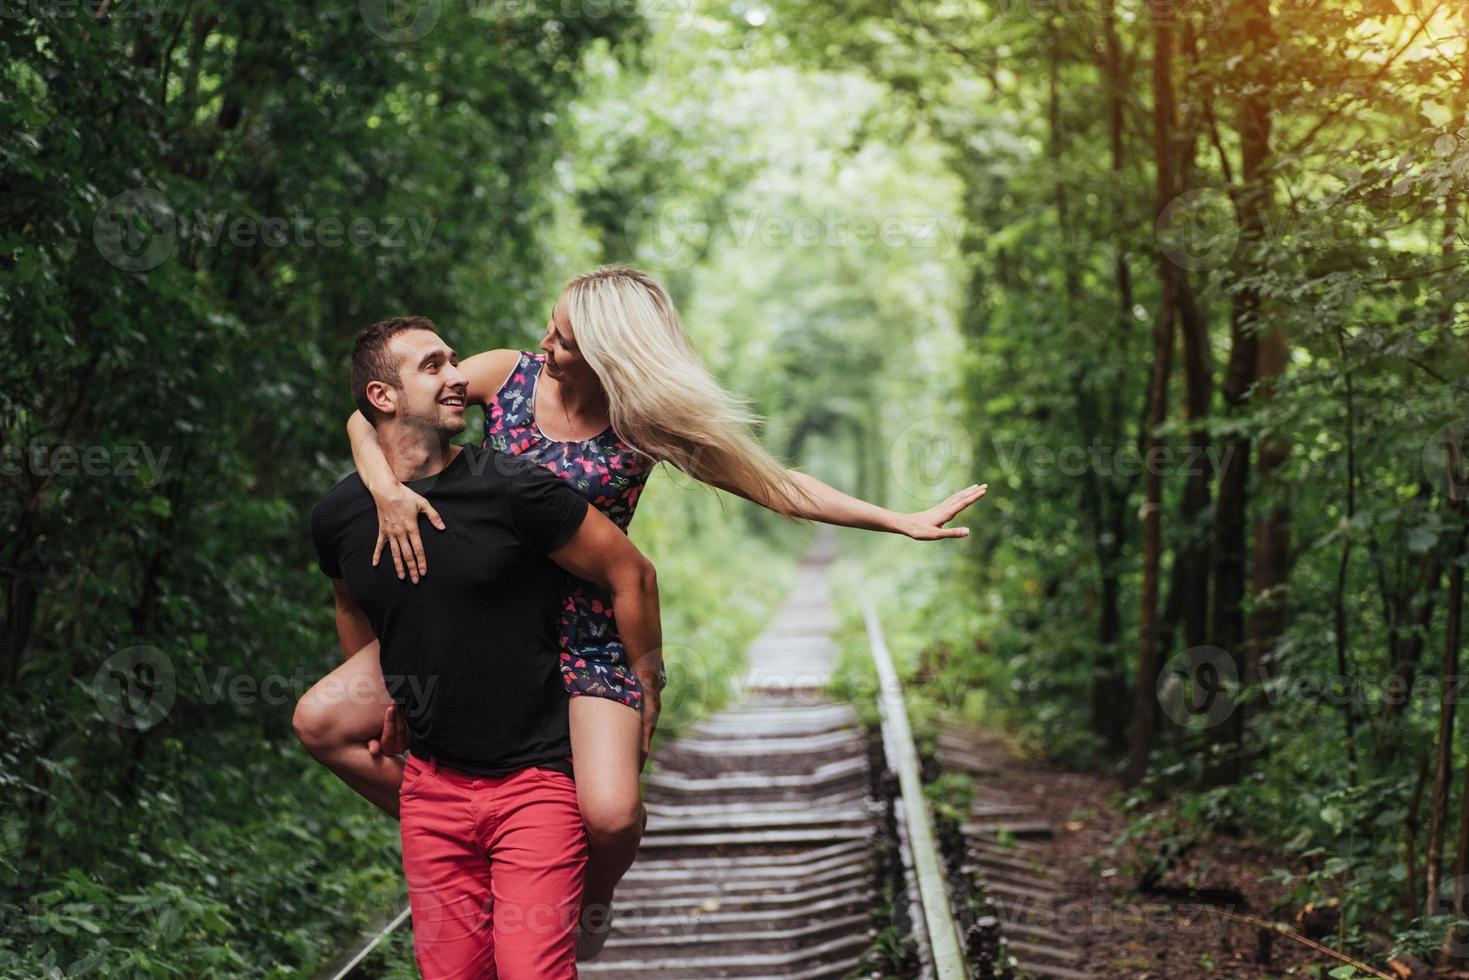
x=606 y=737
x=336 y=719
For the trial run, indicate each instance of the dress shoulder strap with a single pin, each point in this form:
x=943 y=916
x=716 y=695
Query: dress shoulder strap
x=511 y=400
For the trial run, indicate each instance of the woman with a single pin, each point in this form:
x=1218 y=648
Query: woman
x=617 y=389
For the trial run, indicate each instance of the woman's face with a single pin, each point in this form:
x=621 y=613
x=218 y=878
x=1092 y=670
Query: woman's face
x=563 y=358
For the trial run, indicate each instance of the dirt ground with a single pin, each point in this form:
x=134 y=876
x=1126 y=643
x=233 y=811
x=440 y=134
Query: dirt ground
x=1126 y=934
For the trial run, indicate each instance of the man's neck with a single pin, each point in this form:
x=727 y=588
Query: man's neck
x=414 y=452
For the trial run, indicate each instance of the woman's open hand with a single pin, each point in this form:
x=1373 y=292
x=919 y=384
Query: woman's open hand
x=928 y=525
x=397 y=526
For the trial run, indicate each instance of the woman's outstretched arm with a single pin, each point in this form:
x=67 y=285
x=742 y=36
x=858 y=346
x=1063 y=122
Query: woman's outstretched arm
x=830 y=506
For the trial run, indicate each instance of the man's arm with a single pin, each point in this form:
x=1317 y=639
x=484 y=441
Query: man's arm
x=600 y=552
x=353 y=630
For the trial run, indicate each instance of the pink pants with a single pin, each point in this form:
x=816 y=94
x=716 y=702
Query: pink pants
x=518 y=839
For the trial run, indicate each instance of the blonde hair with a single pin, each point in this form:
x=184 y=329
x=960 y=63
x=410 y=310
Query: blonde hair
x=663 y=401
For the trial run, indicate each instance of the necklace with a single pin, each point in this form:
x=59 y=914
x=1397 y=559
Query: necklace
x=560 y=397
x=568 y=420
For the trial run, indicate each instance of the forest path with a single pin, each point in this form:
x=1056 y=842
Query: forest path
x=756 y=861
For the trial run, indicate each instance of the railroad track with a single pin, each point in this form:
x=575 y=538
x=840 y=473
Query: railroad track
x=756 y=860
x=759 y=856
x=1003 y=837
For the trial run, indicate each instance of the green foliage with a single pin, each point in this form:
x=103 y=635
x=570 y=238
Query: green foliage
x=206 y=205
x=1354 y=252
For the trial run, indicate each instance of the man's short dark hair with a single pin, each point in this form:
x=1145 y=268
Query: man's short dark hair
x=373 y=358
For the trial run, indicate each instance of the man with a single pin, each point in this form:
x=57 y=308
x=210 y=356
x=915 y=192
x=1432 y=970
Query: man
x=493 y=841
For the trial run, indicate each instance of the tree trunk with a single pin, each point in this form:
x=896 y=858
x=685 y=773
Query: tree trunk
x=1339 y=604
x=1188 y=588
x=1272 y=531
x=1108 y=688
x=1444 y=761
x=1453 y=944
x=1410 y=856
x=1457 y=479
x=1412 y=612
x=1145 y=700
x=1191 y=564
x=1231 y=513
x=1458 y=505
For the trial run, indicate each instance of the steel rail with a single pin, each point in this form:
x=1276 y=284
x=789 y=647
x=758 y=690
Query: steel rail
x=937 y=925
x=341 y=973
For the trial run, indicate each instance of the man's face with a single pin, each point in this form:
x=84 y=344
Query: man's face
x=433 y=388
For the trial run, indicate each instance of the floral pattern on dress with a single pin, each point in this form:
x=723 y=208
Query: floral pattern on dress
x=610 y=475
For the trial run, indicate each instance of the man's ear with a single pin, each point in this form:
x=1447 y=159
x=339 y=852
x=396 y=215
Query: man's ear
x=383 y=397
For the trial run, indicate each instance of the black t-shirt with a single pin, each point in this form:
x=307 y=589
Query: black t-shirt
x=471 y=651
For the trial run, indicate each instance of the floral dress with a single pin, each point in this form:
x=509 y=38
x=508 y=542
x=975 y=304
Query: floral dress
x=610 y=475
